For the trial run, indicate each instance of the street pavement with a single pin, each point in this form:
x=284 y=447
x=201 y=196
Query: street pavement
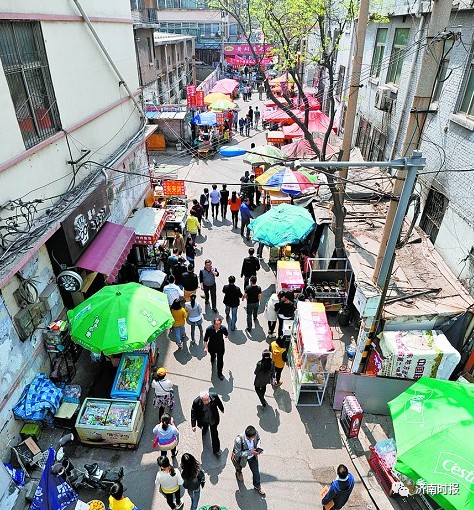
x=302 y=445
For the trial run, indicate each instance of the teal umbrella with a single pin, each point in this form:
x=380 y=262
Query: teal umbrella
x=283 y=224
x=120 y=318
x=433 y=422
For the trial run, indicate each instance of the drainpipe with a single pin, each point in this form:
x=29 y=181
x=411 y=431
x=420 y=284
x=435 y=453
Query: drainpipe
x=411 y=79
x=109 y=58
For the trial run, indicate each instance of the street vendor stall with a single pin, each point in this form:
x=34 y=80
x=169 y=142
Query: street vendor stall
x=110 y=423
x=118 y=320
x=289 y=276
x=272 y=198
x=310 y=354
x=277 y=138
x=148 y=224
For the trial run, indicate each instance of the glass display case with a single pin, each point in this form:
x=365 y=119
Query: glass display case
x=132 y=379
x=110 y=423
x=310 y=354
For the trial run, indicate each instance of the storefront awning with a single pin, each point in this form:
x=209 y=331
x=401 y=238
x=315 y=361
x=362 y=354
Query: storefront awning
x=108 y=250
x=147 y=223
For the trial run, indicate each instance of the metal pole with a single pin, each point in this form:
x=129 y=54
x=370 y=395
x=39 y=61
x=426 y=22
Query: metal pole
x=413 y=166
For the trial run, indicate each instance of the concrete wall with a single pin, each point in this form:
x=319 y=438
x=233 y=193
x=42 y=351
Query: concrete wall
x=21 y=361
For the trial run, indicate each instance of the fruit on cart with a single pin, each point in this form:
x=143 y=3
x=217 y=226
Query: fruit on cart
x=96 y=505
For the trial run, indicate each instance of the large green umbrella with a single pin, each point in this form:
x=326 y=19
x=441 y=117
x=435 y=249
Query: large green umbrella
x=283 y=224
x=120 y=318
x=264 y=155
x=433 y=421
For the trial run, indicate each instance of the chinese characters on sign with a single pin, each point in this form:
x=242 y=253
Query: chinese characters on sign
x=246 y=49
x=199 y=98
x=191 y=96
x=88 y=223
x=174 y=188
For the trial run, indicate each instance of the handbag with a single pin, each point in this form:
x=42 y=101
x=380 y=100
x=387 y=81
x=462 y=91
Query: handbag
x=154 y=443
x=239 y=462
x=167 y=444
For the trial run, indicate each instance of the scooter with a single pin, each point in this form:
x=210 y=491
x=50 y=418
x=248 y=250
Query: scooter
x=92 y=476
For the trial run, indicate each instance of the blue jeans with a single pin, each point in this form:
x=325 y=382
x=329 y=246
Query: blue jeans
x=193 y=328
x=179 y=333
x=252 y=310
x=233 y=318
x=194 y=495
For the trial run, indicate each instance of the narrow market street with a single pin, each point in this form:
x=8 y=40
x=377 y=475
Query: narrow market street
x=302 y=445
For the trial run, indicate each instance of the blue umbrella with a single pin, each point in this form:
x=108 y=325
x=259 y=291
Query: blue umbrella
x=205 y=119
x=283 y=224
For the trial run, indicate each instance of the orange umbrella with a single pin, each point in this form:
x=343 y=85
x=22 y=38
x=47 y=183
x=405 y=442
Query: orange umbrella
x=215 y=96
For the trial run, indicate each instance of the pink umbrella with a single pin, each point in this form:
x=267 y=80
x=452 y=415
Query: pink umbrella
x=226 y=86
x=318 y=123
x=301 y=149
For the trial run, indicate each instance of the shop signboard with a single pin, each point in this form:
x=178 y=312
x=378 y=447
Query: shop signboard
x=81 y=227
x=174 y=188
x=247 y=49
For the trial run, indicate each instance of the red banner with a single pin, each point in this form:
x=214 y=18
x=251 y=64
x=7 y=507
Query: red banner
x=174 y=188
x=246 y=49
x=199 y=98
x=191 y=95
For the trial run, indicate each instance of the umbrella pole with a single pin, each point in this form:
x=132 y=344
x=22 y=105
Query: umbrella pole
x=155 y=255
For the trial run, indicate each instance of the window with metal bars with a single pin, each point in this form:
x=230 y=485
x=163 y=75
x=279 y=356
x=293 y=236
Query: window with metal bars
x=433 y=213
x=26 y=68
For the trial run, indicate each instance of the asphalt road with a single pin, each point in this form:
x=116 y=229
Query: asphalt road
x=302 y=445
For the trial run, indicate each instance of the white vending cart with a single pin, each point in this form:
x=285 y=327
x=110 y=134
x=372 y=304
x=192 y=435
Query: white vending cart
x=310 y=353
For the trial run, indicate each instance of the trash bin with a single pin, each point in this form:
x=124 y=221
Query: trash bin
x=351 y=416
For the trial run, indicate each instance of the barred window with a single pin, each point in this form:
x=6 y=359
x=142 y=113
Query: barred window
x=433 y=213
x=25 y=63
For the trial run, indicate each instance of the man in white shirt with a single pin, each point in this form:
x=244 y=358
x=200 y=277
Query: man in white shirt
x=172 y=290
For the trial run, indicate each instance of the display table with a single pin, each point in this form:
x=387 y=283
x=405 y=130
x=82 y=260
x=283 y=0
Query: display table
x=289 y=276
x=110 y=423
x=310 y=354
x=177 y=215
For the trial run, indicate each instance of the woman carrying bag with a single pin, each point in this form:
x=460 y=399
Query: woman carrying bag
x=166 y=436
x=193 y=478
x=169 y=480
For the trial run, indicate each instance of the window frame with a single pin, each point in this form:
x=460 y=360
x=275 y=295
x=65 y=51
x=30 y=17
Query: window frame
x=378 y=54
x=397 y=59
x=469 y=83
x=29 y=80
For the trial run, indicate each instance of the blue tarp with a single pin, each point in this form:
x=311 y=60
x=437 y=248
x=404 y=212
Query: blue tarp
x=37 y=399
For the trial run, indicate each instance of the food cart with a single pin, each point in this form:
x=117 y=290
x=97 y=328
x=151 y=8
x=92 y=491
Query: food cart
x=276 y=138
x=272 y=198
x=289 y=276
x=310 y=354
x=132 y=381
x=148 y=224
x=110 y=423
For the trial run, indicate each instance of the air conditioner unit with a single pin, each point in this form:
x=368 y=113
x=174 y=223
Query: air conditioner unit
x=384 y=98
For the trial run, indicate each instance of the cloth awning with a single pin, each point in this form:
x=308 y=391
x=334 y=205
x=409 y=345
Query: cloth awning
x=108 y=250
x=147 y=223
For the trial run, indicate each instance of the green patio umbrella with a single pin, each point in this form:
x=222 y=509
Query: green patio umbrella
x=223 y=104
x=120 y=318
x=433 y=421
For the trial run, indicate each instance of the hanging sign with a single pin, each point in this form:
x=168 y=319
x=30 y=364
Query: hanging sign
x=174 y=188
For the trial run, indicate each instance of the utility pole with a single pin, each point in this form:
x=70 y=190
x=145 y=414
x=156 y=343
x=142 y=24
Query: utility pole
x=411 y=167
x=430 y=63
x=353 y=92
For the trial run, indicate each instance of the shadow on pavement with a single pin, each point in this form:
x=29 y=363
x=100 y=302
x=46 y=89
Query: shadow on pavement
x=269 y=418
x=321 y=427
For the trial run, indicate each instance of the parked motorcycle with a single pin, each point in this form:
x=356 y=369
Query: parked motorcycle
x=92 y=476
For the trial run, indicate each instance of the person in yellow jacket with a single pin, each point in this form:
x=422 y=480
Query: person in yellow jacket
x=192 y=226
x=117 y=501
x=179 y=315
x=279 y=352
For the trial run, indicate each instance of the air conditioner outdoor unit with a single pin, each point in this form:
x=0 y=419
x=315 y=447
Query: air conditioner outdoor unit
x=384 y=98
